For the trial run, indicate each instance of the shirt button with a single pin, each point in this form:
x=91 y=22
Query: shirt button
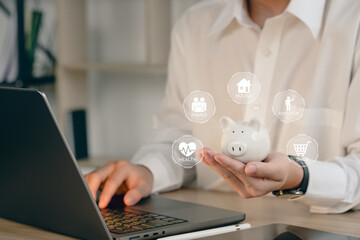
x=267 y=52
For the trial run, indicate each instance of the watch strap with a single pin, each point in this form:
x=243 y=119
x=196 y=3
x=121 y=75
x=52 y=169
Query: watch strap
x=302 y=187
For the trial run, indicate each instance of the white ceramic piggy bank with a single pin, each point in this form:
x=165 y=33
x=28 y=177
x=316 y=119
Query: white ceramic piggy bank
x=244 y=141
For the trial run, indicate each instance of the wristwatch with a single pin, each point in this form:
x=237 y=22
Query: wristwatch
x=300 y=190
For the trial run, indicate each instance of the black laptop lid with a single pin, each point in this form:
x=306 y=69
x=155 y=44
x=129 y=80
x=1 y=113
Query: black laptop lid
x=40 y=184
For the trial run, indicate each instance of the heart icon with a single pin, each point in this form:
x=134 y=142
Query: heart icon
x=187 y=148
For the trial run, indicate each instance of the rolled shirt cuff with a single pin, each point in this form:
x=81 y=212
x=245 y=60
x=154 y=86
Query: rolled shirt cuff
x=163 y=179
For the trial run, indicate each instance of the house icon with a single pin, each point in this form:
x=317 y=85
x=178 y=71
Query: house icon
x=244 y=86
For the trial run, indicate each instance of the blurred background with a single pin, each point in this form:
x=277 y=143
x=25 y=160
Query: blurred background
x=103 y=59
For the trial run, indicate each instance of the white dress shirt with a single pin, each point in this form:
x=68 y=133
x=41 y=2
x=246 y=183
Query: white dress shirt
x=312 y=47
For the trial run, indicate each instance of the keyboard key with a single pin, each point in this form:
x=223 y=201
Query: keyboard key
x=130 y=220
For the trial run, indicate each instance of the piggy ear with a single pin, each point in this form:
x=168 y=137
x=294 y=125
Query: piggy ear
x=254 y=124
x=226 y=122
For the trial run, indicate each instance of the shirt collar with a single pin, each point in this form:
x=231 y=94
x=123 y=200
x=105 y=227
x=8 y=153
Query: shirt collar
x=234 y=9
x=308 y=11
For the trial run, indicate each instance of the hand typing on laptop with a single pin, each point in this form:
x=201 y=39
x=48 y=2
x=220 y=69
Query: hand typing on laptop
x=120 y=177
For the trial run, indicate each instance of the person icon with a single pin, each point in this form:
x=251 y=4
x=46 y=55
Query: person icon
x=203 y=104
x=199 y=105
x=288 y=101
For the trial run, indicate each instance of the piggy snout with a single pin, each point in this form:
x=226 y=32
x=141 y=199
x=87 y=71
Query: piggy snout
x=236 y=148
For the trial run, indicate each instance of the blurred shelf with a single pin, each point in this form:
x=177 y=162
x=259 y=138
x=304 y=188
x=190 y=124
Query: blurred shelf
x=125 y=67
x=41 y=80
x=30 y=82
x=73 y=64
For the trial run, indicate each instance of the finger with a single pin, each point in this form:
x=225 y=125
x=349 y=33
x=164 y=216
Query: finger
x=269 y=170
x=134 y=195
x=208 y=155
x=95 y=178
x=122 y=189
x=91 y=185
x=254 y=186
x=229 y=177
x=113 y=182
x=234 y=166
x=199 y=153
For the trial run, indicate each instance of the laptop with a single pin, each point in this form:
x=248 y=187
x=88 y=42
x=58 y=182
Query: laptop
x=41 y=184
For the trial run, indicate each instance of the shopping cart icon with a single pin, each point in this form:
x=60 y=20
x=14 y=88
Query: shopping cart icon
x=300 y=149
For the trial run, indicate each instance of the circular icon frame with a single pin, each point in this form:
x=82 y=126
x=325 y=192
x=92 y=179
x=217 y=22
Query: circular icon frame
x=183 y=151
x=301 y=145
x=288 y=106
x=243 y=87
x=199 y=106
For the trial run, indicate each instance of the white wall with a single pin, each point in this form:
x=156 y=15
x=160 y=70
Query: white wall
x=122 y=104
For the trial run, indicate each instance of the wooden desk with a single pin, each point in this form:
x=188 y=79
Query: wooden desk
x=259 y=212
x=269 y=210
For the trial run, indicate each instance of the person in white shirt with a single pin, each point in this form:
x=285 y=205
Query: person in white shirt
x=309 y=46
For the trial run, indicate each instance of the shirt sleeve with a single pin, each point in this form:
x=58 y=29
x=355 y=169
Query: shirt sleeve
x=334 y=187
x=170 y=123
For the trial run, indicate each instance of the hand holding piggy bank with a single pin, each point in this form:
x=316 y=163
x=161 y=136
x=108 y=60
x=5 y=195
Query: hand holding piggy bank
x=244 y=141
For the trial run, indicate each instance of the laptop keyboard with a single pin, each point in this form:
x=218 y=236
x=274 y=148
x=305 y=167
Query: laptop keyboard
x=130 y=220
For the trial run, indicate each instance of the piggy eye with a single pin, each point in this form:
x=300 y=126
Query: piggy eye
x=233 y=131
x=242 y=131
